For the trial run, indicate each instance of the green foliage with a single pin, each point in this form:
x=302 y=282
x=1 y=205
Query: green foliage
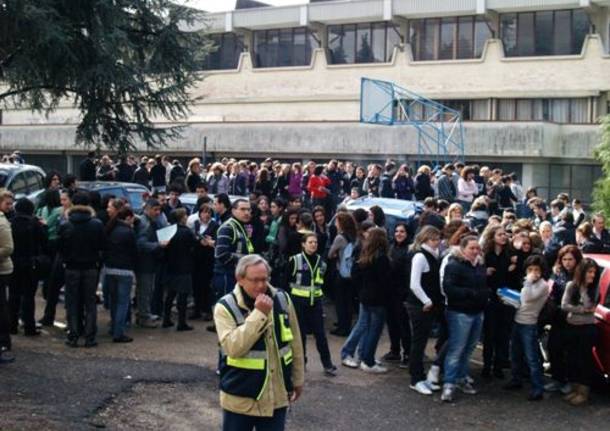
x=124 y=64
x=601 y=191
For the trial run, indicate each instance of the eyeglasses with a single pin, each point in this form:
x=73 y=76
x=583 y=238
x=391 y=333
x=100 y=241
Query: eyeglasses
x=258 y=280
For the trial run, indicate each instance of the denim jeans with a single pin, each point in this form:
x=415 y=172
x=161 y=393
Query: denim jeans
x=464 y=333
x=119 y=292
x=238 y=422
x=145 y=284
x=524 y=346
x=366 y=332
x=223 y=284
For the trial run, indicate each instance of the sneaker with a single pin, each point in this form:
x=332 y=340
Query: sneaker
x=391 y=357
x=6 y=358
x=554 y=386
x=433 y=386
x=90 y=343
x=447 y=395
x=184 y=327
x=512 y=386
x=466 y=388
x=350 y=362
x=122 y=339
x=565 y=389
x=434 y=374
x=375 y=369
x=404 y=362
x=422 y=388
x=147 y=323
x=330 y=371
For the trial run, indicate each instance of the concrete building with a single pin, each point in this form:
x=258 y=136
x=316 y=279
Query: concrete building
x=531 y=78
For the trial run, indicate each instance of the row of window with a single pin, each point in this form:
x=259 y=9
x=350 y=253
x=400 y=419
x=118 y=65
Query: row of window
x=561 y=111
x=560 y=32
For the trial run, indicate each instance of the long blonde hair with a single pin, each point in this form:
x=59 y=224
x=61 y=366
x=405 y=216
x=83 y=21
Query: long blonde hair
x=376 y=244
x=425 y=234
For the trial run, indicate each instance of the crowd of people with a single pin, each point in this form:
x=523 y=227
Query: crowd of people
x=444 y=272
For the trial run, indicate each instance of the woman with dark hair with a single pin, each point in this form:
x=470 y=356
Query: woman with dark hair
x=403 y=184
x=119 y=266
x=585 y=239
x=358 y=180
x=52 y=181
x=498 y=322
x=398 y=319
x=321 y=229
x=568 y=259
x=378 y=216
x=342 y=249
x=263 y=185
x=205 y=229
x=179 y=272
x=318 y=188
x=424 y=302
x=29 y=239
x=372 y=274
x=579 y=301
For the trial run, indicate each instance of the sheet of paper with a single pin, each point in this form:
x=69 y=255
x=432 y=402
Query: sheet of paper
x=167 y=233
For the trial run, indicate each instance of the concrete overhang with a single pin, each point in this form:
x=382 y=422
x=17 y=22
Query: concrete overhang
x=533 y=5
x=435 y=8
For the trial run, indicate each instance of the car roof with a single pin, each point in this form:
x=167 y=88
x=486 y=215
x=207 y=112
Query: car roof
x=394 y=207
x=94 y=185
x=14 y=167
x=191 y=198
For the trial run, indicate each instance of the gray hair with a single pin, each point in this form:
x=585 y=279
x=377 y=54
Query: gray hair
x=247 y=261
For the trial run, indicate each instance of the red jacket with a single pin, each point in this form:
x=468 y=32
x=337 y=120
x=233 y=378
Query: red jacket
x=316 y=186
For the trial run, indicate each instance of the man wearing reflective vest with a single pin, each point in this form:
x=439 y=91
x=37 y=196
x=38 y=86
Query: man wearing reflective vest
x=262 y=364
x=232 y=242
x=306 y=274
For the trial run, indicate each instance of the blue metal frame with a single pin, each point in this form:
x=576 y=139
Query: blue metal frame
x=440 y=129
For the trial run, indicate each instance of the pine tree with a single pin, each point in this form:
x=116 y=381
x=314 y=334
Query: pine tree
x=601 y=191
x=124 y=64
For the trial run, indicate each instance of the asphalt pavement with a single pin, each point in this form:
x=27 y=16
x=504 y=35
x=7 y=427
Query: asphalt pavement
x=165 y=380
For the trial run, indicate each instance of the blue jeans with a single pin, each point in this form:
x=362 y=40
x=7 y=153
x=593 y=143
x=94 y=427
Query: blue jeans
x=223 y=284
x=237 y=422
x=119 y=289
x=524 y=345
x=464 y=333
x=366 y=332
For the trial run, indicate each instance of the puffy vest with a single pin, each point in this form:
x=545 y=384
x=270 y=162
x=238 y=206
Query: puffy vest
x=307 y=281
x=249 y=375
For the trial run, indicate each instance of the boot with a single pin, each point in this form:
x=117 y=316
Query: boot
x=582 y=397
x=575 y=391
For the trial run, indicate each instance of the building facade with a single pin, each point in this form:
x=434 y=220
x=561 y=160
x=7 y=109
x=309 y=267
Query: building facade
x=530 y=77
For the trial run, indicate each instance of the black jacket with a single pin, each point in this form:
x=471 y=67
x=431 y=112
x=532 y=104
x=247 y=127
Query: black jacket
x=373 y=281
x=87 y=170
x=125 y=172
x=423 y=188
x=29 y=239
x=400 y=262
x=386 y=189
x=204 y=255
x=465 y=286
x=157 y=175
x=142 y=176
x=81 y=239
x=121 y=251
x=178 y=250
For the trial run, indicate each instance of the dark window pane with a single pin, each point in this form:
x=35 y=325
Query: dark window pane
x=273 y=44
x=393 y=40
x=482 y=33
x=379 y=42
x=364 y=51
x=349 y=43
x=465 y=47
x=285 y=48
x=448 y=27
x=335 y=44
x=562 y=35
x=524 y=110
x=300 y=47
x=525 y=34
x=508 y=23
x=560 y=178
x=544 y=33
x=580 y=29
x=430 y=40
x=260 y=48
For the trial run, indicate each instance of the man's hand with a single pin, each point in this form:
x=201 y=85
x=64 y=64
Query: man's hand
x=427 y=307
x=163 y=244
x=295 y=394
x=491 y=270
x=264 y=304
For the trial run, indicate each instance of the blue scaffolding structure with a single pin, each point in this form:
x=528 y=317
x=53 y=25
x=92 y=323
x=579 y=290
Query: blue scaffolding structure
x=439 y=128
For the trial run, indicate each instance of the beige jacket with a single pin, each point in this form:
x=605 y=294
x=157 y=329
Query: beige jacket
x=237 y=341
x=6 y=246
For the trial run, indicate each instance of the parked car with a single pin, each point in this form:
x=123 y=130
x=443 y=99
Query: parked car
x=21 y=180
x=601 y=352
x=395 y=210
x=132 y=192
x=189 y=200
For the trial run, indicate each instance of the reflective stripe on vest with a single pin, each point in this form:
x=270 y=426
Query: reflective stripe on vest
x=235 y=310
x=313 y=289
x=236 y=224
x=253 y=360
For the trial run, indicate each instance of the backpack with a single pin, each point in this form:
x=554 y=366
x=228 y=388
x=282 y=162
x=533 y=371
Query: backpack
x=346 y=261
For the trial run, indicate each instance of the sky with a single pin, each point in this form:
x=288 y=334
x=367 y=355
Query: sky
x=226 y=5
